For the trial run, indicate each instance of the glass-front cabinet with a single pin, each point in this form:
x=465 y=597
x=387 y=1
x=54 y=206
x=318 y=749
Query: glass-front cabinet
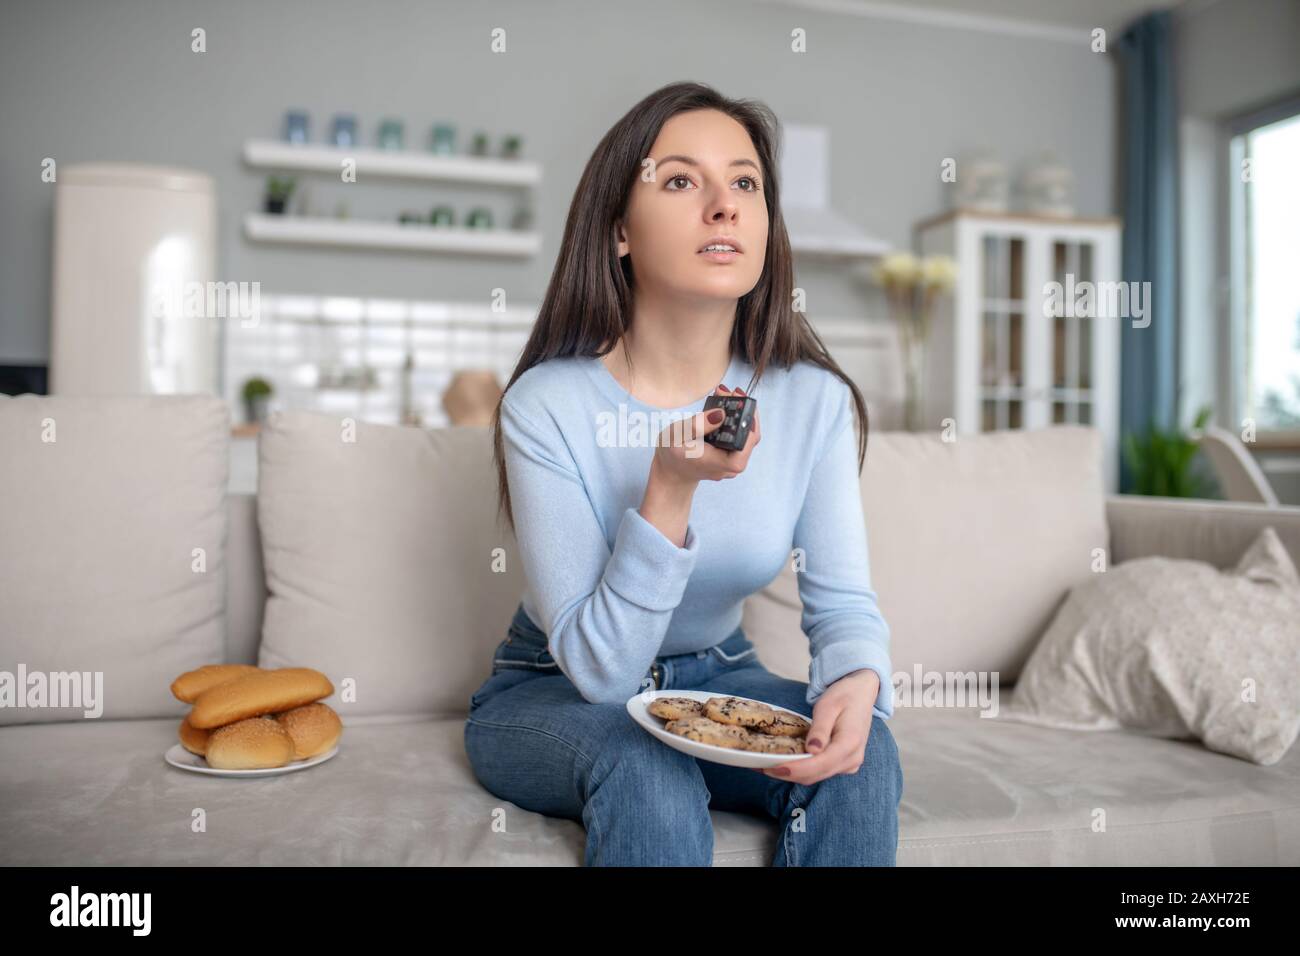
x=1029 y=336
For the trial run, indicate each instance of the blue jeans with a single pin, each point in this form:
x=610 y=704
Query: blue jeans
x=533 y=740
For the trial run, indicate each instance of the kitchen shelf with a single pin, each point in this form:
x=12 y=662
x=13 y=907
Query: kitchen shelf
x=398 y=164
x=417 y=237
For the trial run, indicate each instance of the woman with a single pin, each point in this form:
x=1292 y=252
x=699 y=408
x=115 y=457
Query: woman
x=639 y=545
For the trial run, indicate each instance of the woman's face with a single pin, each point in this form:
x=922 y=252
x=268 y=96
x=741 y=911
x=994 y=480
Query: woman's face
x=705 y=181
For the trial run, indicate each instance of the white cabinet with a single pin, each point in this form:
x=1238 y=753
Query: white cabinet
x=1008 y=348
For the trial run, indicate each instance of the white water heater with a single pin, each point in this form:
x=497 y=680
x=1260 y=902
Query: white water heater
x=134 y=260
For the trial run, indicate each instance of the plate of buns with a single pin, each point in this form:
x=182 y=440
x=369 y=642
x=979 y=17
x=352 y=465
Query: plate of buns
x=736 y=731
x=247 y=721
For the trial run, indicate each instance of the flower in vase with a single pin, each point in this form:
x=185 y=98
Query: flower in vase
x=911 y=285
x=938 y=273
x=898 y=270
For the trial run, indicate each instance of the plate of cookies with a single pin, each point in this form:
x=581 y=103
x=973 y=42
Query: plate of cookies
x=736 y=731
x=247 y=721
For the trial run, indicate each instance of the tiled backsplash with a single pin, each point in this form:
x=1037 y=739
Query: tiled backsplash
x=345 y=354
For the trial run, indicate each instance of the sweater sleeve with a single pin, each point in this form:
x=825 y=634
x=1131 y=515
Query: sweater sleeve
x=845 y=629
x=605 y=612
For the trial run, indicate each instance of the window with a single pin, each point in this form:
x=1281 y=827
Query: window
x=1266 y=268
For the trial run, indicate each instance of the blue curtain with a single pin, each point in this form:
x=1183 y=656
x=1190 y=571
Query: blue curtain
x=1149 y=355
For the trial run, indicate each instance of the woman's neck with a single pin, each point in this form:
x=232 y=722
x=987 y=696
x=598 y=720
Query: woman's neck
x=675 y=355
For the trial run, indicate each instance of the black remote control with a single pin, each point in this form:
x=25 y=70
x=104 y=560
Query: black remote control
x=732 y=434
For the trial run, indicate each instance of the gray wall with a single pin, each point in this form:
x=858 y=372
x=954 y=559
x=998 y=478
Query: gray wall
x=93 y=80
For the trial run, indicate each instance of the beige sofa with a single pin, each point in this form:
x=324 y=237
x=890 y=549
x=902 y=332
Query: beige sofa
x=378 y=560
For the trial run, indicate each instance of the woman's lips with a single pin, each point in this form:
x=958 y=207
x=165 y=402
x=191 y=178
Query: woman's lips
x=719 y=256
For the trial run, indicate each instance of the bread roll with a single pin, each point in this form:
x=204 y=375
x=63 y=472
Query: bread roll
x=314 y=728
x=262 y=692
x=251 y=744
x=192 y=683
x=193 y=739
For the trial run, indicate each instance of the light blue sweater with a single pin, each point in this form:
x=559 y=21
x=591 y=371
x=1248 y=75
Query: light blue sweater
x=612 y=592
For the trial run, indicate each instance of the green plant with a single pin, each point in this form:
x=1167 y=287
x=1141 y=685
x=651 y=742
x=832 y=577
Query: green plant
x=256 y=388
x=1161 y=460
x=280 y=187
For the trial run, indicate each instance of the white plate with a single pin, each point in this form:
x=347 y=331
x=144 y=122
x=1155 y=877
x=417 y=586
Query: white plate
x=637 y=705
x=178 y=756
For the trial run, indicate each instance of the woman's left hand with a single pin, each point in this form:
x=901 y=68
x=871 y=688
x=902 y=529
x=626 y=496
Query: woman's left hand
x=841 y=722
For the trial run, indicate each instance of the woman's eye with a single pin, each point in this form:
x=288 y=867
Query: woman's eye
x=752 y=188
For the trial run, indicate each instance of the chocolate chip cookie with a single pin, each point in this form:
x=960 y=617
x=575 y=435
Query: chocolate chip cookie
x=774 y=744
x=675 y=708
x=707 y=731
x=740 y=712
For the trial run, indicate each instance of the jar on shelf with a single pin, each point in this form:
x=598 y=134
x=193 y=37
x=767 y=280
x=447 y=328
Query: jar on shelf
x=390 y=134
x=296 y=126
x=982 y=184
x=523 y=217
x=442 y=139
x=1047 y=188
x=345 y=130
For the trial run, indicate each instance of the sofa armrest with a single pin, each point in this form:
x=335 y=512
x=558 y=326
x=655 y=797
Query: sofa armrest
x=1217 y=532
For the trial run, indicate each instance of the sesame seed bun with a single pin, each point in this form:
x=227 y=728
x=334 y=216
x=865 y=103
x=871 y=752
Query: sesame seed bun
x=251 y=744
x=314 y=728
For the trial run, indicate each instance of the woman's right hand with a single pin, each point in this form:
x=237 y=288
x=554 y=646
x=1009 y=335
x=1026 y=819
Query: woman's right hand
x=683 y=456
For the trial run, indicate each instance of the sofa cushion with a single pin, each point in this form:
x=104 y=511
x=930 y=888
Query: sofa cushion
x=398 y=793
x=986 y=791
x=1170 y=647
x=973 y=545
x=112 y=547
x=385 y=566
x=977 y=792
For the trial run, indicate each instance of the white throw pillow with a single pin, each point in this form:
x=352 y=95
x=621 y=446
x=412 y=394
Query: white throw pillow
x=112 y=551
x=973 y=544
x=1176 y=648
x=385 y=565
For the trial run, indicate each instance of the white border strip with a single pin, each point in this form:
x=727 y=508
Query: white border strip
x=953 y=19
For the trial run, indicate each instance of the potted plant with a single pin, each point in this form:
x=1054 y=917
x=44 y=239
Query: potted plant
x=278 y=190
x=1161 y=460
x=257 y=398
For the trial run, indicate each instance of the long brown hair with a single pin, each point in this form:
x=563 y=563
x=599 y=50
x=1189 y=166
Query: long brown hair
x=588 y=304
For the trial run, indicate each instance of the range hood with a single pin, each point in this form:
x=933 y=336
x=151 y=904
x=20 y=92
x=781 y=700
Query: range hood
x=815 y=228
